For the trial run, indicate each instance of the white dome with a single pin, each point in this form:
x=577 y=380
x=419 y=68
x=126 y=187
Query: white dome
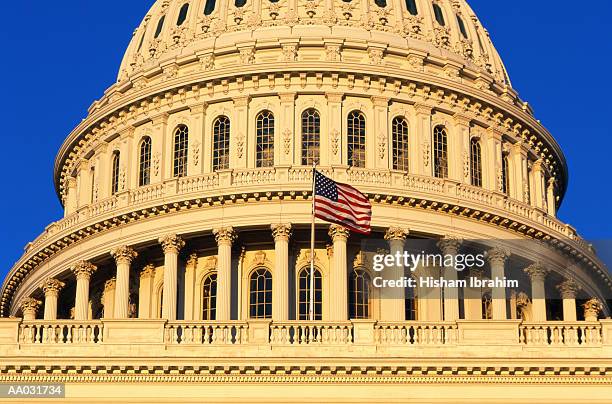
x=442 y=30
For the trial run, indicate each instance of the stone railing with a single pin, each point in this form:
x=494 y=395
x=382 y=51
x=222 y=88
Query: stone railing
x=299 y=179
x=209 y=333
x=561 y=334
x=384 y=335
x=61 y=332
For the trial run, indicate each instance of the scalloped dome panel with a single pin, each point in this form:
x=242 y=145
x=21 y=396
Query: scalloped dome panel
x=441 y=28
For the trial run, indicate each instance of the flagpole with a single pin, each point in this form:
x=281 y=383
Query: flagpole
x=312 y=245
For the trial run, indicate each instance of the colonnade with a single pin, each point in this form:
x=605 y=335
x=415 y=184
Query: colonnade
x=443 y=304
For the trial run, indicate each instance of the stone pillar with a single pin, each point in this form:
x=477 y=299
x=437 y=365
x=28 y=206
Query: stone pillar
x=333 y=155
x=519 y=188
x=492 y=160
x=108 y=298
x=225 y=238
x=460 y=141
x=280 y=284
x=339 y=273
x=190 y=271
x=70 y=204
x=286 y=135
x=392 y=304
x=538 y=184
x=380 y=136
x=123 y=256
x=421 y=152
x=472 y=298
x=537 y=274
x=551 y=198
x=239 y=141
x=450 y=246
x=592 y=308
x=83 y=271
x=497 y=261
x=51 y=287
x=29 y=307
x=145 y=292
x=171 y=245
x=568 y=290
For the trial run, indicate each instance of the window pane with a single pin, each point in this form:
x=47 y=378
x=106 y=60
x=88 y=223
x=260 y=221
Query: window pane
x=144 y=169
x=412 y=7
x=356 y=130
x=115 y=173
x=260 y=303
x=221 y=143
x=265 y=139
x=160 y=26
x=181 y=141
x=182 y=14
x=462 y=27
x=440 y=152
x=311 y=132
x=209 y=7
x=476 y=163
x=304 y=295
x=209 y=296
x=359 y=294
x=400 y=144
x=438 y=13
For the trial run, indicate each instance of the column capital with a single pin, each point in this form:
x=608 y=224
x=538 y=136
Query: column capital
x=171 y=243
x=225 y=235
x=498 y=255
x=241 y=101
x=592 y=308
x=281 y=232
x=396 y=234
x=568 y=289
x=536 y=271
x=422 y=109
x=124 y=255
x=148 y=271
x=450 y=245
x=110 y=284
x=380 y=101
x=338 y=233
x=334 y=97
x=52 y=287
x=287 y=97
x=462 y=120
x=29 y=304
x=83 y=270
x=192 y=260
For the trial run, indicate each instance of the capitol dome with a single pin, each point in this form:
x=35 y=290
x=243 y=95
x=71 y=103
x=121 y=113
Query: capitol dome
x=187 y=195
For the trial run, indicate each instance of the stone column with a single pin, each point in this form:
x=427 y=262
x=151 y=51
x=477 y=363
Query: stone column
x=29 y=307
x=123 y=256
x=492 y=160
x=171 y=245
x=421 y=151
x=83 y=271
x=472 y=298
x=108 y=298
x=460 y=141
x=392 y=304
x=497 y=261
x=190 y=271
x=286 y=133
x=70 y=204
x=51 y=287
x=339 y=273
x=538 y=184
x=537 y=274
x=280 y=284
x=568 y=290
x=380 y=135
x=551 y=198
x=335 y=150
x=239 y=140
x=225 y=238
x=145 y=292
x=450 y=246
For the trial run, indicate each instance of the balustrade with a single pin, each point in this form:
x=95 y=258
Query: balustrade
x=61 y=332
x=209 y=333
x=303 y=333
x=561 y=334
x=415 y=333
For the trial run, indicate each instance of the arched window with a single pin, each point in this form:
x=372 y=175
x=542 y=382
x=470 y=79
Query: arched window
x=209 y=298
x=440 y=152
x=181 y=142
x=182 y=14
x=359 y=294
x=438 y=14
x=304 y=295
x=381 y=3
x=311 y=133
x=239 y=3
x=356 y=130
x=209 y=7
x=412 y=7
x=476 y=162
x=221 y=143
x=400 y=143
x=260 y=303
x=115 y=173
x=142 y=37
x=462 y=26
x=265 y=139
x=505 y=178
x=160 y=26
x=144 y=162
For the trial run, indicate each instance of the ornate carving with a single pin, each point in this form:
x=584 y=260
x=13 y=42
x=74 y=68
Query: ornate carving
x=332 y=53
x=240 y=140
x=211 y=263
x=52 y=286
x=568 y=289
x=195 y=148
x=171 y=243
x=376 y=56
x=192 y=261
x=225 y=235
x=466 y=164
x=148 y=271
x=335 y=141
x=382 y=145
x=396 y=233
x=449 y=245
x=281 y=232
x=361 y=260
x=426 y=147
x=338 y=233
x=259 y=258
x=124 y=255
x=287 y=141
x=30 y=305
x=207 y=62
x=498 y=255
x=592 y=308
x=83 y=270
x=537 y=272
x=247 y=56
x=290 y=52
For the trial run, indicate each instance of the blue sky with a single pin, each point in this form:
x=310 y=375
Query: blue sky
x=60 y=56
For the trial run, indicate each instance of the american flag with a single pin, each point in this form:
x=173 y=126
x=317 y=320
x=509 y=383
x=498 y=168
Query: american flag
x=341 y=204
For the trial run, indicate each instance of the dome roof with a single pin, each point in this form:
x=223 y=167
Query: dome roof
x=440 y=29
